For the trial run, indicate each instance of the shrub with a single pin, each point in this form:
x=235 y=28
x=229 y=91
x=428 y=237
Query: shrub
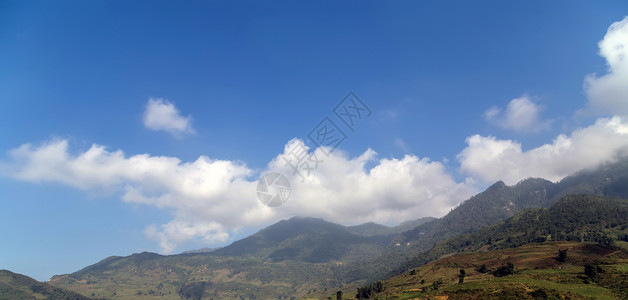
x=508 y=269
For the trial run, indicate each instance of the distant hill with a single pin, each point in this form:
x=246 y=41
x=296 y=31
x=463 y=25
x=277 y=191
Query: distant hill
x=195 y=276
x=310 y=240
x=372 y=228
x=411 y=224
x=299 y=256
x=15 y=286
x=202 y=250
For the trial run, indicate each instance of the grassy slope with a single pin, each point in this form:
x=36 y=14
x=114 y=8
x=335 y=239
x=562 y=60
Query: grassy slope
x=296 y=257
x=17 y=287
x=146 y=276
x=536 y=270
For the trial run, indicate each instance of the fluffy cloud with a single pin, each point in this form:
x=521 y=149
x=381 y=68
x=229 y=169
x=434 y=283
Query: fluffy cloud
x=609 y=93
x=161 y=114
x=521 y=114
x=491 y=159
x=211 y=199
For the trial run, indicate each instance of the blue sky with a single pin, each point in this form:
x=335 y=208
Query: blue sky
x=447 y=83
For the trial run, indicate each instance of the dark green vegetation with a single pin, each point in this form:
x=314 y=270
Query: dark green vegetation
x=370 y=290
x=601 y=221
x=574 y=218
x=500 y=202
x=495 y=204
x=306 y=257
x=19 y=287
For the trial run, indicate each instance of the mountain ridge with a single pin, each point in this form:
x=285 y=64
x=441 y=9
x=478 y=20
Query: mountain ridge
x=301 y=256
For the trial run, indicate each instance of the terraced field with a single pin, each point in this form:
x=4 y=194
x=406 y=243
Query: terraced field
x=538 y=274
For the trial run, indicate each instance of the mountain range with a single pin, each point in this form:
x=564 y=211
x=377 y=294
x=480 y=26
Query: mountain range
x=309 y=257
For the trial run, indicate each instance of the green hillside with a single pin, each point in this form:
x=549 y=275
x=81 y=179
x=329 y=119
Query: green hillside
x=500 y=202
x=580 y=218
x=592 y=229
x=538 y=274
x=14 y=286
x=310 y=240
x=495 y=204
x=191 y=276
x=300 y=256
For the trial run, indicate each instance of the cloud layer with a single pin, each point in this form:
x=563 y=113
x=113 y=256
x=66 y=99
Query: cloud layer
x=211 y=199
x=490 y=159
x=161 y=114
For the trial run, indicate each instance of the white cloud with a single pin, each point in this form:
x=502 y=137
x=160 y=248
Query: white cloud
x=609 y=93
x=491 y=159
x=211 y=199
x=161 y=114
x=521 y=114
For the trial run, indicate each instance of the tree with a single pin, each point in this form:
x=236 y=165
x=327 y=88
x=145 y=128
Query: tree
x=591 y=271
x=506 y=270
x=436 y=284
x=483 y=269
x=370 y=290
x=562 y=255
x=463 y=273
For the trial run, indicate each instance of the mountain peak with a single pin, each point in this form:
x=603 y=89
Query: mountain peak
x=497 y=185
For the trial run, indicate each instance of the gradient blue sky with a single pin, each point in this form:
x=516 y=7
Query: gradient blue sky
x=253 y=76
